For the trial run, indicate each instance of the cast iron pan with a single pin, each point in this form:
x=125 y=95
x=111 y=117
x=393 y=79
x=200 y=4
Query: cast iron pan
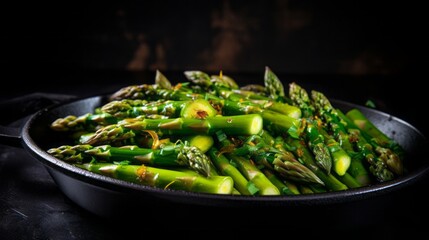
x=107 y=196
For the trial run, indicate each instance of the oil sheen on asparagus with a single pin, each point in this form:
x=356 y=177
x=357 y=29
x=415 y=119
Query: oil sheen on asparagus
x=209 y=135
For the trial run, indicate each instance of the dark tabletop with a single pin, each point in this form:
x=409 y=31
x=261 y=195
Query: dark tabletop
x=33 y=207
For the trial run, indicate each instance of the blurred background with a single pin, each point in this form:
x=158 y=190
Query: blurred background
x=352 y=50
x=294 y=37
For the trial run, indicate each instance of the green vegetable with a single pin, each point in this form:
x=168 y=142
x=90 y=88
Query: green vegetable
x=210 y=135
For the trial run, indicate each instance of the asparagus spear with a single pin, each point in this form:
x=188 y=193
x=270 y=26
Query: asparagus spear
x=273 y=85
x=224 y=80
x=342 y=161
x=234 y=125
x=274 y=121
x=254 y=175
x=279 y=160
x=173 y=155
x=113 y=134
x=114 y=111
x=378 y=167
x=284 y=189
x=108 y=134
x=348 y=180
x=202 y=142
x=300 y=98
x=357 y=167
x=316 y=188
x=305 y=189
x=255 y=88
x=302 y=152
x=127 y=128
x=162 y=81
x=319 y=141
x=253 y=99
x=86 y=122
x=154 y=92
x=261 y=101
x=227 y=169
x=246 y=167
x=374 y=134
x=317 y=145
x=132 y=127
x=163 y=178
x=127 y=109
x=382 y=165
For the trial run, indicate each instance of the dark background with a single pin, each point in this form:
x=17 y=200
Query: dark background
x=351 y=50
x=358 y=38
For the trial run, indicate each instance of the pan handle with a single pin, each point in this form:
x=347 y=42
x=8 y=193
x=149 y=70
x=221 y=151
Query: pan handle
x=10 y=136
x=20 y=109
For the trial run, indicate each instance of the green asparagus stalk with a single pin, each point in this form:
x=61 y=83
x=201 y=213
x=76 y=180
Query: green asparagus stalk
x=391 y=160
x=255 y=88
x=249 y=95
x=199 y=78
x=162 y=178
x=162 y=81
x=316 y=188
x=284 y=189
x=267 y=138
x=111 y=134
x=261 y=101
x=286 y=109
x=173 y=155
x=220 y=85
x=224 y=80
x=378 y=167
x=384 y=163
x=202 y=142
x=274 y=121
x=357 y=167
x=254 y=175
x=234 y=125
x=300 y=98
x=126 y=109
x=302 y=152
x=317 y=145
x=132 y=127
x=251 y=98
x=358 y=170
x=226 y=168
x=305 y=189
x=373 y=133
x=280 y=160
x=273 y=85
x=86 y=122
x=341 y=159
x=292 y=187
x=348 y=180
x=154 y=93
x=317 y=135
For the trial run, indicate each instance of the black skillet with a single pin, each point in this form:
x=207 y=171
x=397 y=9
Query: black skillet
x=106 y=196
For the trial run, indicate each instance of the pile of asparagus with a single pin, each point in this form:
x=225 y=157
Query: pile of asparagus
x=210 y=135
